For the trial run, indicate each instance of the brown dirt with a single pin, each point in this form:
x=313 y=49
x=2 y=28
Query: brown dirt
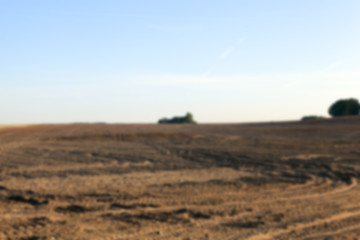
x=291 y=180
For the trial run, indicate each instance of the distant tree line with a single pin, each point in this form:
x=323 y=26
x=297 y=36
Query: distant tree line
x=312 y=117
x=342 y=107
x=188 y=118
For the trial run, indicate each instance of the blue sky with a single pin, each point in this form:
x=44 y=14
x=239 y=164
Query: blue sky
x=138 y=61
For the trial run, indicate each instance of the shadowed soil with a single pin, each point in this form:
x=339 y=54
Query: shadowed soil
x=291 y=180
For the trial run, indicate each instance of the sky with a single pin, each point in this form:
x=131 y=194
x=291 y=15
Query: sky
x=138 y=61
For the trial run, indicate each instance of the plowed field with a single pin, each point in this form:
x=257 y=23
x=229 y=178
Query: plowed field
x=290 y=180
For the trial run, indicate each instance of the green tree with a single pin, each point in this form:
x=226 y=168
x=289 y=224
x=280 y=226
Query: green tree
x=345 y=107
x=189 y=118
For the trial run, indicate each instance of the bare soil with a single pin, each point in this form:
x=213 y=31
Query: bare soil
x=290 y=180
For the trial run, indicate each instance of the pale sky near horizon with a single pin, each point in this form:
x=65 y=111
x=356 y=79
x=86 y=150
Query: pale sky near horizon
x=139 y=61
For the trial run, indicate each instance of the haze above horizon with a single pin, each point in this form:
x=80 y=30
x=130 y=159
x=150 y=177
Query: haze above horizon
x=139 y=61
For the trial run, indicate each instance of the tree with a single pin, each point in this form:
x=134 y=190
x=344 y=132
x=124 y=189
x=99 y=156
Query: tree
x=345 y=107
x=188 y=118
